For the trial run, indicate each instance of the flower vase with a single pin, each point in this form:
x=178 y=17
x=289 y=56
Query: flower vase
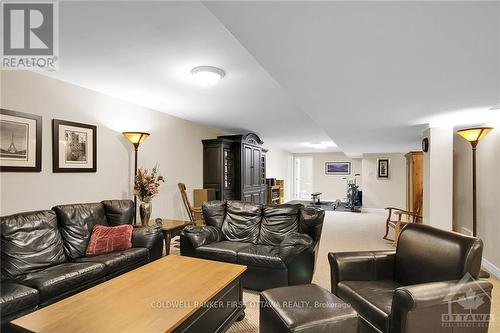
x=145 y=212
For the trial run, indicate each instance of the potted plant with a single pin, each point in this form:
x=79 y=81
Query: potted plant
x=146 y=186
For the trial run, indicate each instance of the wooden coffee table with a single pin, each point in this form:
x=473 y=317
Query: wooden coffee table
x=172 y=294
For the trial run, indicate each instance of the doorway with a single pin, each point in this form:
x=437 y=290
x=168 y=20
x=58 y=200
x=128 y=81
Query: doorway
x=303 y=177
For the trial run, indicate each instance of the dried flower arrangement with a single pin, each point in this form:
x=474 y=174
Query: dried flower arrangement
x=147 y=183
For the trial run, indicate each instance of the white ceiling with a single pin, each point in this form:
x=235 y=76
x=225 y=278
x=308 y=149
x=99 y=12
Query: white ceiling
x=144 y=53
x=369 y=76
x=374 y=74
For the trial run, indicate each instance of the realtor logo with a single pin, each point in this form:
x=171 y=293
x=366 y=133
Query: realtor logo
x=29 y=35
x=470 y=310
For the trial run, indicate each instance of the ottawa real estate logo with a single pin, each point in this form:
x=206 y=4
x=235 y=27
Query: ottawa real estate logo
x=30 y=35
x=467 y=305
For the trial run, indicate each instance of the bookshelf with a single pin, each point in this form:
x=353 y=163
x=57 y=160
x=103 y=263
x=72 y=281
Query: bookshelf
x=276 y=193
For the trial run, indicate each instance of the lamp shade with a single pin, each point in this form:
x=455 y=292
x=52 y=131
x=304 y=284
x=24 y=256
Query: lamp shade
x=474 y=135
x=136 y=137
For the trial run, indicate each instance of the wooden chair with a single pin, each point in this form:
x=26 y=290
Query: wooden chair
x=190 y=209
x=397 y=222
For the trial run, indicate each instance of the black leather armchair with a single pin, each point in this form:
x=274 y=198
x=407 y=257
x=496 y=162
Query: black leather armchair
x=43 y=253
x=419 y=287
x=277 y=243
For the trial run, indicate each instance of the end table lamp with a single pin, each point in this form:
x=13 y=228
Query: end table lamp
x=136 y=138
x=474 y=135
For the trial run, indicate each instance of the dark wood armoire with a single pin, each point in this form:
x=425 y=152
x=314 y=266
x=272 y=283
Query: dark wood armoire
x=235 y=166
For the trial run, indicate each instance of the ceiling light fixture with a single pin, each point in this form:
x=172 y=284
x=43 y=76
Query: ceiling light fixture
x=320 y=145
x=207 y=75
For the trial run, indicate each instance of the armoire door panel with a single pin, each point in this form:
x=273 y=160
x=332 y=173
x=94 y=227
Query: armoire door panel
x=256 y=167
x=247 y=165
x=212 y=163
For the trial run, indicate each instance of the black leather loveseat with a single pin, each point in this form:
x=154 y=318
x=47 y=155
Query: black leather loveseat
x=277 y=243
x=429 y=284
x=43 y=253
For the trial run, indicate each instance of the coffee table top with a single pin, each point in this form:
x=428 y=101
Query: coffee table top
x=156 y=297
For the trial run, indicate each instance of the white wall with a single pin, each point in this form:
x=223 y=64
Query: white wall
x=175 y=144
x=488 y=191
x=333 y=187
x=377 y=193
x=438 y=178
x=279 y=165
x=381 y=193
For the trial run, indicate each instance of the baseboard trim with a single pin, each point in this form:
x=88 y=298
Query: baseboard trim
x=372 y=210
x=491 y=268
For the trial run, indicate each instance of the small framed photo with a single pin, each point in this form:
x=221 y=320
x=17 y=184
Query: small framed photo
x=74 y=147
x=21 y=142
x=337 y=168
x=383 y=168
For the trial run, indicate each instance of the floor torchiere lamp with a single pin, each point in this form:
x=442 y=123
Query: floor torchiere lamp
x=136 y=138
x=474 y=135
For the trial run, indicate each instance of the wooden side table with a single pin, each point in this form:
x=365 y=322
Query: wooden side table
x=171 y=228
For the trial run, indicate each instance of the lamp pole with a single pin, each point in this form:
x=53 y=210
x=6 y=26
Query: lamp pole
x=136 y=138
x=474 y=195
x=474 y=135
x=136 y=152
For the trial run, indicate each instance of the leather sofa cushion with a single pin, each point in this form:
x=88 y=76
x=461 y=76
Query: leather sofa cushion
x=109 y=239
x=57 y=280
x=29 y=241
x=452 y=255
x=277 y=222
x=221 y=251
x=315 y=310
x=371 y=299
x=76 y=223
x=119 y=260
x=16 y=297
x=242 y=222
x=214 y=213
x=262 y=256
x=119 y=212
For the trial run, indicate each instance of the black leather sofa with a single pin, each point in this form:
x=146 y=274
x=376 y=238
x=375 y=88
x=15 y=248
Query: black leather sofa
x=277 y=243
x=43 y=253
x=430 y=277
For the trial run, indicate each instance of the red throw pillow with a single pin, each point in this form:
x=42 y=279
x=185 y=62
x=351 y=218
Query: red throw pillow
x=109 y=239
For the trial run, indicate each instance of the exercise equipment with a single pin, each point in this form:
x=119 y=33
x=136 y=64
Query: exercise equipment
x=353 y=199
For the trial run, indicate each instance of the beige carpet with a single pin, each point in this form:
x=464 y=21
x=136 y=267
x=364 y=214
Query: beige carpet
x=342 y=231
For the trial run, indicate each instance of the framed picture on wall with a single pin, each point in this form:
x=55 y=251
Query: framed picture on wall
x=383 y=168
x=21 y=142
x=337 y=168
x=74 y=147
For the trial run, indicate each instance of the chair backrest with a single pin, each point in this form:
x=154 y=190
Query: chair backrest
x=185 y=200
x=426 y=254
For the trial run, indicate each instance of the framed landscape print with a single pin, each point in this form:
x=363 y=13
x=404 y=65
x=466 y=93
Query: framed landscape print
x=383 y=168
x=74 y=147
x=337 y=168
x=21 y=142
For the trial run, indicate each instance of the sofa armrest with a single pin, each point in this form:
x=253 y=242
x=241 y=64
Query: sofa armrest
x=199 y=235
x=293 y=244
x=311 y=222
x=360 y=266
x=297 y=251
x=416 y=307
x=150 y=237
